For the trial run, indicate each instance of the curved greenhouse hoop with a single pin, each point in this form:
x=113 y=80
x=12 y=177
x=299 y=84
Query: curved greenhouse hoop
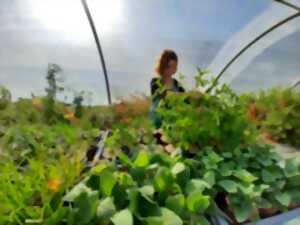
x=255 y=40
x=296 y=84
x=288 y=4
x=100 y=52
x=243 y=50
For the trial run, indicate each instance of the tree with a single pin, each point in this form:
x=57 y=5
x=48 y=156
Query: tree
x=5 y=97
x=52 y=90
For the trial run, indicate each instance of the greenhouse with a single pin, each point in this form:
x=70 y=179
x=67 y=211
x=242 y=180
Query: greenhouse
x=128 y=112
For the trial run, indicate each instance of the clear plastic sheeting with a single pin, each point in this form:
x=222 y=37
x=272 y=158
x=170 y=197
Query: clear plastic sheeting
x=277 y=65
x=196 y=30
x=272 y=15
x=133 y=33
x=35 y=33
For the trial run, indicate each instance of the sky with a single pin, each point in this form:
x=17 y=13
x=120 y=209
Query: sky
x=204 y=33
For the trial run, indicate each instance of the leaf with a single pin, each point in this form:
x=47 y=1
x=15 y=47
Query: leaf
x=264 y=203
x=265 y=161
x=178 y=168
x=106 y=209
x=142 y=159
x=295 y=195
x=123 y=217
x=267 y=176
x=133 y=195
x=245 y=176
x=167 y=217
x=107 y=182
x=154 y=220
x=294 y=181
x=283 y=198
x=147 y=190
x=199 y=220
x=244 y=210
x=163 y=179
x=86 y=203
x=170 y=218
x=181 y=172
x=125 y=179
x=229 y=185
x=93 y=182
x=227 y=155
x=76 y=191
x=142 y=205
x=291 y=167
x=211 y=160
x=215 y=157
x=249 y=190
x=209 y=177
x=124 y=159
x=196 y=185
x=99 y=168
x=226 y=169
x=241 y=213
x=176 y=203
x=197 y=202
x=56 y=217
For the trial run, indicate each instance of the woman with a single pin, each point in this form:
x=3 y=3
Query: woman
x=166 y=68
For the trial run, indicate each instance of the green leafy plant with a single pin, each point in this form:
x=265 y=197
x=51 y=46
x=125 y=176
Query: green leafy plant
x=216 y=166
x=151 y=191
x=277 y=113
x=196 y=120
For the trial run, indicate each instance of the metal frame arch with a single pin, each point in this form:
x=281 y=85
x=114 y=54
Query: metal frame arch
x=243 y=50
x=100 y=52
x=296 y=84
x=255 y=40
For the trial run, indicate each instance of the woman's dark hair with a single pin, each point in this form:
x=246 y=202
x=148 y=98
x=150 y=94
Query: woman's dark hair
x=164 y=59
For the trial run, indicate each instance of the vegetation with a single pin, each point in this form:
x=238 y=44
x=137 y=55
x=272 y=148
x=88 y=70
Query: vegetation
x=5 y=97
x=276 y=113
x=205 y=160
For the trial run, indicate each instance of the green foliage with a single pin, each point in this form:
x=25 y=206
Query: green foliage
x=38 y=164
x=35 y=194
x=277 y=113
x=200 y=120
x=147 y=197
x=123 y=217
x=5 y=97
x=51 y=115
x=78 y=106
x=153 y=185
x=216 y=153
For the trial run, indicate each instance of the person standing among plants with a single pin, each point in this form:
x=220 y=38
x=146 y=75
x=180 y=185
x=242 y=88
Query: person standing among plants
x=166 y=68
